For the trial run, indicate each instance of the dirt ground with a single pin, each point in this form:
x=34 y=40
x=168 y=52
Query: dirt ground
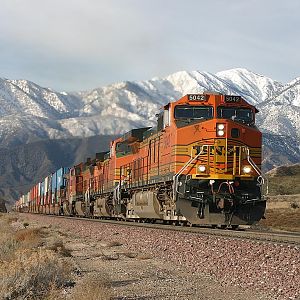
x=136 y=275
x=107 y=269
x=283 y=212
x=107 y=266
x=284 y=219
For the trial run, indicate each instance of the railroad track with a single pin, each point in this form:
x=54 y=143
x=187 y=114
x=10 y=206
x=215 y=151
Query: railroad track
x=280 y=237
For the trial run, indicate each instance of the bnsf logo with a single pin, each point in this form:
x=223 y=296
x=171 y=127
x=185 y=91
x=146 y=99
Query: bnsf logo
x=218 y=150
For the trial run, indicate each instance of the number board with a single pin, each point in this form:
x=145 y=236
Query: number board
x=232 y=99
x=197 y=97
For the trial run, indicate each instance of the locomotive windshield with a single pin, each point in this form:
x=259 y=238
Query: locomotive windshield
x=193 y=112
x=237 y=114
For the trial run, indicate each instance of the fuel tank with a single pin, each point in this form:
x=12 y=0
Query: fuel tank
x=146 y=205
x=101 y=208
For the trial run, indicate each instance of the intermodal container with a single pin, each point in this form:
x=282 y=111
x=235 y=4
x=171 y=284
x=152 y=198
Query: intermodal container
x=42 y=192
x=53 y=187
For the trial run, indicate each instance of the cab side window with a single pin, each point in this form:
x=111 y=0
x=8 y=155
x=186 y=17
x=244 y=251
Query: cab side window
x=123 y=149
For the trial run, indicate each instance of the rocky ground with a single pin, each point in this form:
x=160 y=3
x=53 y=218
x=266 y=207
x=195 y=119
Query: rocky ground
x=144 y=263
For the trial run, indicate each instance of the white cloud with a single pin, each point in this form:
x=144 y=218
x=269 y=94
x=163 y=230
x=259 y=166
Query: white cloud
x=83 y=43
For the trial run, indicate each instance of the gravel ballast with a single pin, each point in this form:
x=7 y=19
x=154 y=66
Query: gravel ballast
x=272 y=269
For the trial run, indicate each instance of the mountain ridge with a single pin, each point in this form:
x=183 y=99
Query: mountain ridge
x=27 y=108
x=30 y=112
x=34 y=115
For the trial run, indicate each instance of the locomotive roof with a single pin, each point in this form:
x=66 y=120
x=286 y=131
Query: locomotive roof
x=134 y=135
x=213 y=99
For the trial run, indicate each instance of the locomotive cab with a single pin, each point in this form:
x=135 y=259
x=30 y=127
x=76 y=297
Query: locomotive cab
x=218 y=157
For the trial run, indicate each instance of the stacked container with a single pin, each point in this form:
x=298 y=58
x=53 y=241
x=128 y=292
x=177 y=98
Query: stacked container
x=54 y=188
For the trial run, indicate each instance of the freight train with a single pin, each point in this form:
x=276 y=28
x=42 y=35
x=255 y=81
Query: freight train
x=200 y=164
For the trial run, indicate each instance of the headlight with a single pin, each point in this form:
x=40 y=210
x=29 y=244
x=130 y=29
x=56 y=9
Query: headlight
x=247 y=169
x=202 y=168
x=220 y=129
x=220 y=132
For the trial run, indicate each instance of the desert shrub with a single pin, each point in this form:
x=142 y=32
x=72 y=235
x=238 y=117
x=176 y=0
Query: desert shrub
x=294 y=205
x=8 y=246
x=55 y=294
x=32 y=274
x=29 y=238
x=8 y=243
x=59 y=247
x=93 y=287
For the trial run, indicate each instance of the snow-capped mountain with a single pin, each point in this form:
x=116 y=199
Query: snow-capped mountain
x=280 y=114
x=25 y=97
x=29 y=112
x=40 y=129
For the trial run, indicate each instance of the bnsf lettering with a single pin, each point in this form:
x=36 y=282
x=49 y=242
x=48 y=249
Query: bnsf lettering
x=219 y=150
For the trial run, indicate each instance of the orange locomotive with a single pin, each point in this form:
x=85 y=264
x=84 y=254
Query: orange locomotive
x=200 y=164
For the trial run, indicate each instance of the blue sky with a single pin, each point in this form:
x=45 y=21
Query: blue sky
x=82 y=44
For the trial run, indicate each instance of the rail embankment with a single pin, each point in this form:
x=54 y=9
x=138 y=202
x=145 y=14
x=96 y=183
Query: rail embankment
x=147 y=263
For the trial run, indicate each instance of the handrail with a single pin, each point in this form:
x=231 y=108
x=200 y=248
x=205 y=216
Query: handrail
x=176 y=176
x=258 y=171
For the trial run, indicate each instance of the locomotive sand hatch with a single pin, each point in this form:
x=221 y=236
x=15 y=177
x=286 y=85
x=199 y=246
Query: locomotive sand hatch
x=201 y=164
